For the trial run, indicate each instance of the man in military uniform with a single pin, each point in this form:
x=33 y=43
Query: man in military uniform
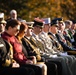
x=40 y=40
x=62 y=38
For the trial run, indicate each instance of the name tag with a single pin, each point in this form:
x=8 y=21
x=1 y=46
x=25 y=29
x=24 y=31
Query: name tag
x=1 y=45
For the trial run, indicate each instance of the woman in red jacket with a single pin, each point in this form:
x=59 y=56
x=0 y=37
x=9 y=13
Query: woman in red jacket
x=12 y=29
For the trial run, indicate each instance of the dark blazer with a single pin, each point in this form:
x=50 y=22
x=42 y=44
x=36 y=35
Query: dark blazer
x=65 y=46
x=28 y=48
x=4 y=51
x=74 y=36
x=55 y=42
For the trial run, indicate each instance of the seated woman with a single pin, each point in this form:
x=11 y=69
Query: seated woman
x=24 y=37
x=12 y=29
x=30 y=50
x=23 y=30
x=8 y=66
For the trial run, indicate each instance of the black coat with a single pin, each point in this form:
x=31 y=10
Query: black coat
x=29 y=50
x=65 y=46
x=4 y=51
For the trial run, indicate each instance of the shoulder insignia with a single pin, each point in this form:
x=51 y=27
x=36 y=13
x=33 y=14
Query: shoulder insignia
x=1 y=45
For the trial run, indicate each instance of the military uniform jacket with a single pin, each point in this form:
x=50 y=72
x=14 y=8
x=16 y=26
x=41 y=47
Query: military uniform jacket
x=56 y=44
x=17 y=48
x=27 y=46
x=64 y=45
x=34 y=39
x=47 y=42
x=5 y=59
x=30 y=48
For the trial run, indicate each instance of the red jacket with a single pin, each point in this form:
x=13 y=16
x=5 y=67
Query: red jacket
x=17 y=48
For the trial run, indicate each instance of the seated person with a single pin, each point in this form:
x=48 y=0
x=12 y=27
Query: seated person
x=12 y=29
x=8 y=65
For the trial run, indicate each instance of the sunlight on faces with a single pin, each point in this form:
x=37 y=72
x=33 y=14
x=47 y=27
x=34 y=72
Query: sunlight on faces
x=74 y=26
x=30 y=31
x=39 y=29
x=24 y=33
x=54 y=29
x=14 y=15
x=46 y=27
x=61 y=26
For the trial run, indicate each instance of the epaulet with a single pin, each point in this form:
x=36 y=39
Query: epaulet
x=33 y=41
x=9 y=48
x=50 y=35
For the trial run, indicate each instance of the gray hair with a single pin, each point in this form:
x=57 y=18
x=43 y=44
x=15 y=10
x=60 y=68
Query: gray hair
x=13 y=11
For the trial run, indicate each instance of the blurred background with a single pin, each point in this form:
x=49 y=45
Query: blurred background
x=29 y=9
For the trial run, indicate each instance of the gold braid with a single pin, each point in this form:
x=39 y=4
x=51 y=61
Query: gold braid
x=38 y=56
x=8 y=61
x=59 y=47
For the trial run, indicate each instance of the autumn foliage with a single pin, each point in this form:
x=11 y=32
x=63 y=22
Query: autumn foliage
x=28 y=9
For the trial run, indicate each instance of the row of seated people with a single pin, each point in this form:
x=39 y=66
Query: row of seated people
x=66 y=30
x=47 y=46
x=39 y=45
x=8 y=65
x=14 y=58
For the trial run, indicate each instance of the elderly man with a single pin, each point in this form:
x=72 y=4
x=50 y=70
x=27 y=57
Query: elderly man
x=13 y=15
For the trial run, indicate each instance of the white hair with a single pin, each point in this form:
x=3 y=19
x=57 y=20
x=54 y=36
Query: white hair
x=13 y=11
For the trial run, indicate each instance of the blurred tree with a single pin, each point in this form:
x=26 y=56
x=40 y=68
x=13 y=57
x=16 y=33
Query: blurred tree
x=29 y=9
